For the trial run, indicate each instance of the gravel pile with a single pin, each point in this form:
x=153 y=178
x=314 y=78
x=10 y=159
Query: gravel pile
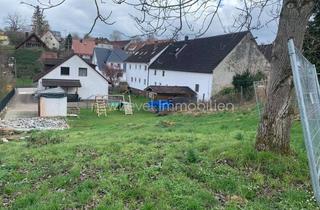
x=37 y=123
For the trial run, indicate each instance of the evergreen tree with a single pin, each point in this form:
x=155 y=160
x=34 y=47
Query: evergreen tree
x=68 y=42
x=39 y=24
x=312 y=39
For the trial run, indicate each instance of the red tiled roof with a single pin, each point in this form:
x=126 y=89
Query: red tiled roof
x=83 y=47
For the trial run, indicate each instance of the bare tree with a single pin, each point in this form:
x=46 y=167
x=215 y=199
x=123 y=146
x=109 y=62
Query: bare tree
x=112 y=74
x=14 y=22
x=160 y=17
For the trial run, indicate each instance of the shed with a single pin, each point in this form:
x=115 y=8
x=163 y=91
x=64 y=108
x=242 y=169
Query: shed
x=170 y=92
x=53 y=103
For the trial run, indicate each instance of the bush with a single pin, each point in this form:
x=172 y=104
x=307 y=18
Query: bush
x=44 y=138
x=244 y=82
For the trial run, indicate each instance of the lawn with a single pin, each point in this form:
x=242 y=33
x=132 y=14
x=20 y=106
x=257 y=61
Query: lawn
x=143 y=161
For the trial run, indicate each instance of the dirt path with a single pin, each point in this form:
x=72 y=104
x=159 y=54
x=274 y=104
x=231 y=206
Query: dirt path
x=22 y=105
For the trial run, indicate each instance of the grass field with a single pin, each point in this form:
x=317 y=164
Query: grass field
x=143 y=161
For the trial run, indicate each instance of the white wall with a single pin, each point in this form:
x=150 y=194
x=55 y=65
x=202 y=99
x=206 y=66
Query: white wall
x=53 y=107
x=178 y=78
x=91 y=85
x=137 y=75
x=50 y=41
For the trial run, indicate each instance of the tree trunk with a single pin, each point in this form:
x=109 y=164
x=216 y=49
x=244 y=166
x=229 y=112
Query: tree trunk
x=275 y=125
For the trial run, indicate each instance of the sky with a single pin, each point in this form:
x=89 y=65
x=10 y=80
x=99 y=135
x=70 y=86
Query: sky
x=76 y=16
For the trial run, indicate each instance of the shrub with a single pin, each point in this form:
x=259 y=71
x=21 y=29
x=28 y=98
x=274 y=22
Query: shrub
x=245 y=82
x=44 y=138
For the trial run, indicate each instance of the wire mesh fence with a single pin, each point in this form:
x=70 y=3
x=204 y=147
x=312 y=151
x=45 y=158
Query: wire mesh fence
x=308 y=97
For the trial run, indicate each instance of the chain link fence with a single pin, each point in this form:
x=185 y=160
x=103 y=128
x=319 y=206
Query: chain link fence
x=308 y=96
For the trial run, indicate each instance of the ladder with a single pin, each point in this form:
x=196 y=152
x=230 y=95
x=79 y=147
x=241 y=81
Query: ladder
x=127 y=108
x=100 y=106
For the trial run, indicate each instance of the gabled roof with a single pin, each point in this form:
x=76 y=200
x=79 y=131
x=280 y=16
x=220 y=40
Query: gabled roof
x=33 y=35
x=54 y=35
x=171 y=90
x=146 y=53
x=45 y=72
x=201 y=55
x=83 y=46
x=104 y=55
x=266 y=51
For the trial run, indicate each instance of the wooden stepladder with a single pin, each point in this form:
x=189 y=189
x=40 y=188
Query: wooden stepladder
x=127 y=106
x=100 y=106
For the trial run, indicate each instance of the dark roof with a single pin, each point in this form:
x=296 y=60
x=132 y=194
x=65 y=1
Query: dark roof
x=33 y=35
x=146 y=53
x=50 y=62
x=45 y=72
x=171 y=90
x=266 y=50
x=61 y=83
x=201 y=55
x=104 y=55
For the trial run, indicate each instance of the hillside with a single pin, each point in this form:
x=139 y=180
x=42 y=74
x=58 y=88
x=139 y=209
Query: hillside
x=204 y=161
x=28 y=63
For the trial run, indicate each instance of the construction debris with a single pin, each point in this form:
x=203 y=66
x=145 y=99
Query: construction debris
x=37 y=123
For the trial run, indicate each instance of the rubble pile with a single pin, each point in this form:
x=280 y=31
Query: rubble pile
x=37 y=123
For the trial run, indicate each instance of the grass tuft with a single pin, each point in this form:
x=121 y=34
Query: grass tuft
x=44 y=138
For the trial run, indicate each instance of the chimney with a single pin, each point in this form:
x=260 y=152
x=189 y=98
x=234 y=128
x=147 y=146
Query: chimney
x=27 y=34
x=186 y=38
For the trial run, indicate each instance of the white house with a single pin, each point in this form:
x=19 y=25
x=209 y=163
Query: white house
x=137 y=65
x=51 y=40
x=75 y=76
x=207 y=65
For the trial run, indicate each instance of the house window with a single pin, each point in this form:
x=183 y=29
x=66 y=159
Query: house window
x=131 y=79
x=163 y=73
x=155 y=72
x=129 y=66
x=145 y=67
x=144 y=81
x=83 y=72
x=140 y=66
x=65 y=71
x=135 y=79
x=139 y=80
x=197 y=87
x=135 y=66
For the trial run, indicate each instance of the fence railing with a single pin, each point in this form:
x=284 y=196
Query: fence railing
x=5 y=100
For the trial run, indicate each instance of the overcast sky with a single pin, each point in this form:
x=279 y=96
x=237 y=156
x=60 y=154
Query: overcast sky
x=76 y=16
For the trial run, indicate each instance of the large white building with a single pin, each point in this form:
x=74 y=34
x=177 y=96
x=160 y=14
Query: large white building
x=205 y=65
x=137 y=65
x=75 y=76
